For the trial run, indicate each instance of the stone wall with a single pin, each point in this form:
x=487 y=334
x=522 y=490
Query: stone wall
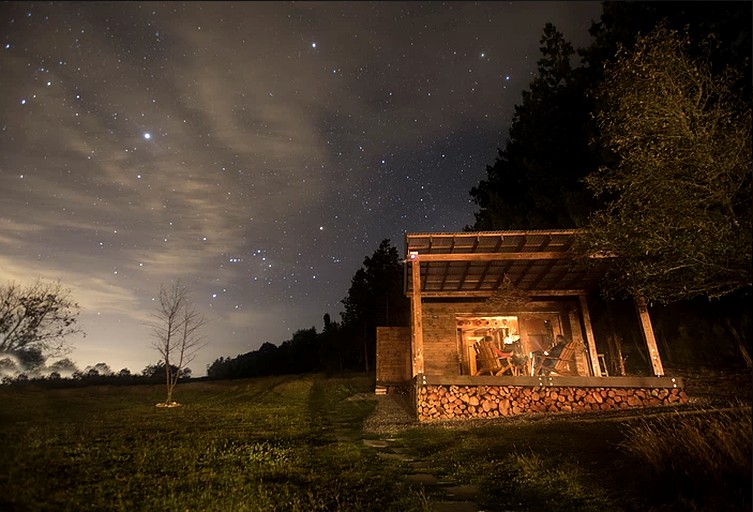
x=440 y=402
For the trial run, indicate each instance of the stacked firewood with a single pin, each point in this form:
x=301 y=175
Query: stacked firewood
x=447 y=402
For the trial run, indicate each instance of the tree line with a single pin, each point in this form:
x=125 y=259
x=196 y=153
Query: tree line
x=375 y=298
x=65 y=372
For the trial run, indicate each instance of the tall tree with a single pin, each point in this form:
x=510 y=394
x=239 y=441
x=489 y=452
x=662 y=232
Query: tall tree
x=176 y=334
x=719 y=32
x=537 y=179
x=679 y=216
x=35 y=321
x=375 y=298
x=534 y=182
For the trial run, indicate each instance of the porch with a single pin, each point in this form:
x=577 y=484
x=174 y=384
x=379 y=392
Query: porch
x=518 y=293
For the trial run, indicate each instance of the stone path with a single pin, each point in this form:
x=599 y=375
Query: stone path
x=382 y=433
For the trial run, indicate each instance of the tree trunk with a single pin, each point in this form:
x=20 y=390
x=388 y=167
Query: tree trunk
x=739 y=341
x=167 y=383
x=172 y=380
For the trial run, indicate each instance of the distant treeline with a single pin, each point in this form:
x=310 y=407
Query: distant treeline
x=99 y=374
x=375 y=298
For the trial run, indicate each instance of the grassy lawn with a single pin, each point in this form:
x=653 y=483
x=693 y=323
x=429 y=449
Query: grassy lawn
x=295 y=443
x=263 y=444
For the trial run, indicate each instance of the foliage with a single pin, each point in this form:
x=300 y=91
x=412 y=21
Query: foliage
x=534 y=182
x=679 y=215
x=63 y=366
x=719 y=32
x=294 y=356
x=375 y=298
x=176 y=334
x=99 y=369
x=155 y=371
x=35 y=320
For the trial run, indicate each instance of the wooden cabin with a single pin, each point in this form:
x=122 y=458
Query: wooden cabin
x=487 y=309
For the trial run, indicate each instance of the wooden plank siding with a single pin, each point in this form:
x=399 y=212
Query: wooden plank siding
x=393 y=355
x=443 y=354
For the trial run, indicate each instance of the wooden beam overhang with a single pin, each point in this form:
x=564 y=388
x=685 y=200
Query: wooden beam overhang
x=499 y=256
x=488 y=293
x=488 y=265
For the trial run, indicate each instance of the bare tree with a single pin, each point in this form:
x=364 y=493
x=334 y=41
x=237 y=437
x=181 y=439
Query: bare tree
x=175 y=329
x=35 y=320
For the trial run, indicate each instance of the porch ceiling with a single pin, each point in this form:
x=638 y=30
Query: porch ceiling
x=475 y=263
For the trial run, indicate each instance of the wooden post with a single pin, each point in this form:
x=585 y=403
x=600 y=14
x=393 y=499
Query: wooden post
x=417 y=331
x=592 y=353
x=648 y=336
x=576 y=332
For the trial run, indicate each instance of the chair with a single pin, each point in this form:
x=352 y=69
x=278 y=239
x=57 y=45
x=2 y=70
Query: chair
x=488 y=361
x=564 y=364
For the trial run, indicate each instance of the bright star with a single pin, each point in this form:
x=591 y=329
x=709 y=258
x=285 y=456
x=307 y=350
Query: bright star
x=313 y=45
x=147 y=135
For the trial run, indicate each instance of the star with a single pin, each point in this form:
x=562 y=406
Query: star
x=245 y=154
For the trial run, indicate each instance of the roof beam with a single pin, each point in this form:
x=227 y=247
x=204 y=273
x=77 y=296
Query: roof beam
x=488 y=266
x=499 y=256
x=487 y=293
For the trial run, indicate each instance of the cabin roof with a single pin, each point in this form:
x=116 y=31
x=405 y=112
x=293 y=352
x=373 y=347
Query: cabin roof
x=540 y=262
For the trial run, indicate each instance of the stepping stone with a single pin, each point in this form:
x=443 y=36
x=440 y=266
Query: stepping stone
x=422 y=478
x=395 y=456
x=421 y=467
x=455 y=506
x=466 y=492
x=376 y=443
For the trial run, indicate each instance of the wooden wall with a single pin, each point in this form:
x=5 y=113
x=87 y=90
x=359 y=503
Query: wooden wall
x=393 y=355
x=442 y=351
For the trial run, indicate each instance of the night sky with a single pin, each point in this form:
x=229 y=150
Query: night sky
x=256 y=151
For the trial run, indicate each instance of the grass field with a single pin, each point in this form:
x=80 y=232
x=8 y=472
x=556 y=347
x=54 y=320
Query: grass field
x=296 y=443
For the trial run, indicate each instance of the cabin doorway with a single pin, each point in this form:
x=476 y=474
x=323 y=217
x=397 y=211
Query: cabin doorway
x=502 y=331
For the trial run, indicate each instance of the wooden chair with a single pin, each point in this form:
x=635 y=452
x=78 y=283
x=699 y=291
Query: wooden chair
x=564 y=364
x=487 y=361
